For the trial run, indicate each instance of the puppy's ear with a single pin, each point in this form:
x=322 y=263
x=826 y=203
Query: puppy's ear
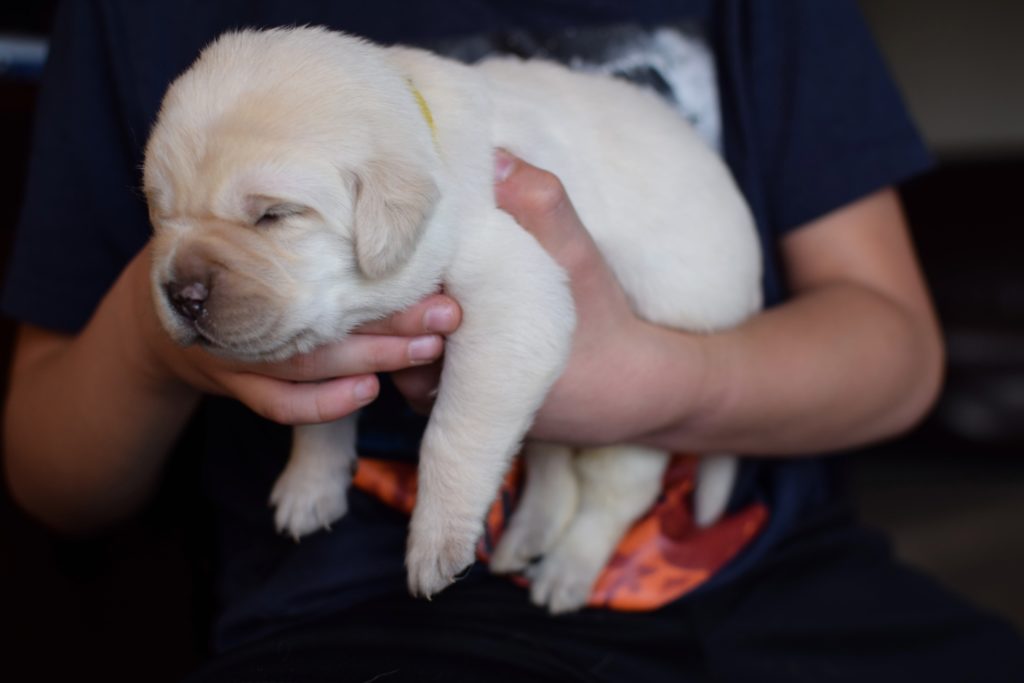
x=392 y=204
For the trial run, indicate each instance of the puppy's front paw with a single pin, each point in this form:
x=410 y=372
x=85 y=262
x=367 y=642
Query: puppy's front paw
x=307 y=501
x=437 y=553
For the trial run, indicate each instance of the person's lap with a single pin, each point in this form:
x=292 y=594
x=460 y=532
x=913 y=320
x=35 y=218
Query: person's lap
x=828 y=605
x=832 y=604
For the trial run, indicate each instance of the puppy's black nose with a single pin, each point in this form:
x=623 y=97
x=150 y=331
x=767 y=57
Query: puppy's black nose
x=189 y=300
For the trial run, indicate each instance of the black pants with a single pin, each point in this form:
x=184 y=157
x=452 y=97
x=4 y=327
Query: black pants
x=830 y=604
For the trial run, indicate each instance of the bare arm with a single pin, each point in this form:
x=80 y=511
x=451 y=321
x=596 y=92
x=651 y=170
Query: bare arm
x=91 y=418
x=854 y=356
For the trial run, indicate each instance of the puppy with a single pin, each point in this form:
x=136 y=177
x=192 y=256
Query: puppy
x=302 y=182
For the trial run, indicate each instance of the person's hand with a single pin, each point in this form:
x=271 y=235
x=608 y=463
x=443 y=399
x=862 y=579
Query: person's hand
x=593 y=401
x=323 y=385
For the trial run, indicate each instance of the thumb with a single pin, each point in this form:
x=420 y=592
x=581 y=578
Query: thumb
x=537 y=200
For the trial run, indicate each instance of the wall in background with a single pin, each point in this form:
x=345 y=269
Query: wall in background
x=951 y=496
x=961 y=68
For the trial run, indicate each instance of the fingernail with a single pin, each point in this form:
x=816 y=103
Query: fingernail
x=503 y=165
x=424 y=348
x=365 y=390
x=440 y=318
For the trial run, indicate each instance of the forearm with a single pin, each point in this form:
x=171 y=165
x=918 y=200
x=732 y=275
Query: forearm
x=834 y=368
x=90 y=420
x=854 y=355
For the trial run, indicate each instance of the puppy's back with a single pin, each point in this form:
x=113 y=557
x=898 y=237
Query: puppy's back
x=660 y=203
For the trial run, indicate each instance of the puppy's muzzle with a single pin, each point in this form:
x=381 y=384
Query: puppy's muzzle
x=213 y=301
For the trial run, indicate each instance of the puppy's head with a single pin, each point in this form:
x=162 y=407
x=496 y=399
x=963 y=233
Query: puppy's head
x=289 y=179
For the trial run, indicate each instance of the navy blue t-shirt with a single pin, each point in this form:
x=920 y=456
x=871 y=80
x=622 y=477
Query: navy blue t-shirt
x=793 y=94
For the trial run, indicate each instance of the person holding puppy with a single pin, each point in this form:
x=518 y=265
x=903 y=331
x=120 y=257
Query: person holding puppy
x=848 y=353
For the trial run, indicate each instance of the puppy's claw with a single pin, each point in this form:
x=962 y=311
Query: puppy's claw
x=435 y=561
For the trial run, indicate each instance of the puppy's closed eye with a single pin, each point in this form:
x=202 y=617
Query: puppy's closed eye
x=279 y=211
x=266 y=211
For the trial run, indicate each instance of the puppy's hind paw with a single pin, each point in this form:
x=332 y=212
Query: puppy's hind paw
x=516 y=549
x=533 y=531
x=561 y=582
x=508 y=558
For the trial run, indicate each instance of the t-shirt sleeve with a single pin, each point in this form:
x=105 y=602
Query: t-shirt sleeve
x=826 y=121
x=83 y=216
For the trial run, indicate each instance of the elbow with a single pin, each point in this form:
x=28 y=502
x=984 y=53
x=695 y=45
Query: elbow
x=41 y=497
x=29 y=499
x=925 y=379
x=34 y=501
x=55 y=518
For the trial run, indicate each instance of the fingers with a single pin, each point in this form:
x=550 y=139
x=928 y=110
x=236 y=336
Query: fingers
x=337 y=379
x=403 y=340
x=294 y=391
x=437 y=313
x=357 y=354
x=537 y=200
x=293 y=403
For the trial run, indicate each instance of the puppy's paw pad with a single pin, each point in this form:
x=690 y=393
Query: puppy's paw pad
x=306 y=503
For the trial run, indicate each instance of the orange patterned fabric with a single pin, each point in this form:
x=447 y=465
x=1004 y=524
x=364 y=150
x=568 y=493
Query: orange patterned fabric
x=663 y=557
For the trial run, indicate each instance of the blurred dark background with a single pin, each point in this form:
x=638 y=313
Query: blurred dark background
x=133 y=605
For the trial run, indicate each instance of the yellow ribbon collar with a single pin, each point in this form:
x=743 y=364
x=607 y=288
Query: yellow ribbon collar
x=424 y=110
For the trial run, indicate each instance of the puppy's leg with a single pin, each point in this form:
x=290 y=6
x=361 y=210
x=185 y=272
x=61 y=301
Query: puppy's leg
x=312 y=491
x=617 y=485
x=512 y=345
x=546 y=506
x=716 y=475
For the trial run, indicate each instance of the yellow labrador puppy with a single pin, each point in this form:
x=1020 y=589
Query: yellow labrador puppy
x=302 y=182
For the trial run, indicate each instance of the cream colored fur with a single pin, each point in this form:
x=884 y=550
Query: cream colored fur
x=292 y=173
